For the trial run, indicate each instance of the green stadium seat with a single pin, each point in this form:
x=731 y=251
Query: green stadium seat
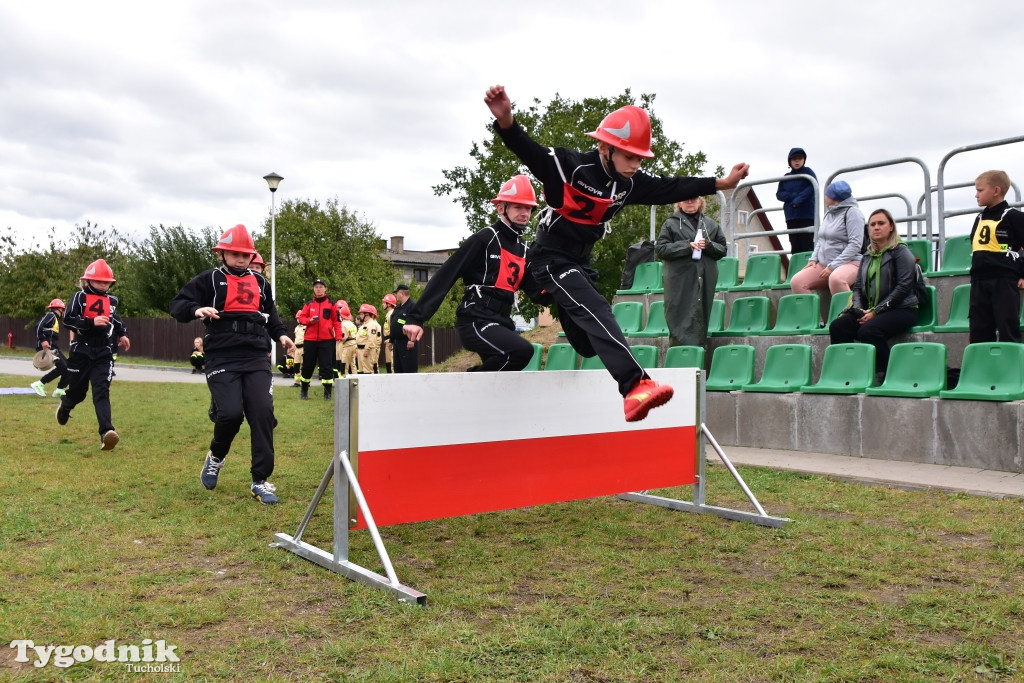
x=717 y=322
x=840 y=300
x=787 y=367
x=916 y=370
x=592 y=363
x=732 y=367
x=956 y=257
x=991 y=371
x=685 y=357
x=959 y=307
x=927 y=314
x=845 y=369
x=562 y=357
x=538 y=354
x=646 y=278
x=656 y=324
x=646 y=355
x=629 y=315
x=749 y=317
x=797 y=314
x=922 y=250
x=728 y=273
x=797 y=262
x=764 y=271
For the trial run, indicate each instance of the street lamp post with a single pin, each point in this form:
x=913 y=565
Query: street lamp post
x=273 y=180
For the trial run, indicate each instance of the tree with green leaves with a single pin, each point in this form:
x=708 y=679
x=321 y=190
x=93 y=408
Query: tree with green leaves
x=330 y=242
x=563 y=123
x=163 y=263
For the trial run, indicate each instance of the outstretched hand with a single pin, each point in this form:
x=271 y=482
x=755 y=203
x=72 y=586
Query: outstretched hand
x=738 y=173
x=498 y=102
x=412 y=332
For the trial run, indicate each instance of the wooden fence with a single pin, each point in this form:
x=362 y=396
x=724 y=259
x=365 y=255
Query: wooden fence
x=169 y=340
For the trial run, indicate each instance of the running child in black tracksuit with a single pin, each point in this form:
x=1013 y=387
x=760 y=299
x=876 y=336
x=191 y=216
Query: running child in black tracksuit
x=492 y=265
x=92 y=316
x=584 y=191
x=238 y=310
x=47 y=337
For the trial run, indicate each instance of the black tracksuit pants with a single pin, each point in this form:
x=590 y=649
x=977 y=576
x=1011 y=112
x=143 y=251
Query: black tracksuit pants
x=500 y=348
x=846 y=329
x=318 y=353
x=89 y=365
x=995 y=308
x=243 y=388
x=586 y=316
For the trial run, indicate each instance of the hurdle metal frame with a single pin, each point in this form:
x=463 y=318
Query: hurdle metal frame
x=348 y=499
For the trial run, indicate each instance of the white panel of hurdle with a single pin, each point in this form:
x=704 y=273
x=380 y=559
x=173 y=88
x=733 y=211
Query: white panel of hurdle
x=428 y=446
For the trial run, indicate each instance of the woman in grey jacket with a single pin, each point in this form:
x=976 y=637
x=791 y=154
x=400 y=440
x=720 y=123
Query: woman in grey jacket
x=837 y=252
x=883 y=303
x=689 y=270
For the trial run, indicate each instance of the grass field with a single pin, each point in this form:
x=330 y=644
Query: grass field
x=866 y=584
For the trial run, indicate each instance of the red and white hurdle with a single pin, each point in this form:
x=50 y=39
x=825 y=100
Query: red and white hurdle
x=417 y=447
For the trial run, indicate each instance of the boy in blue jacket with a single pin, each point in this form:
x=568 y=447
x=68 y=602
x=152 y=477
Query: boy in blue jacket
x=798 y=198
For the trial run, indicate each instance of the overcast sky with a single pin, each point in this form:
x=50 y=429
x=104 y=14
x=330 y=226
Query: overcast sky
x=132 y=114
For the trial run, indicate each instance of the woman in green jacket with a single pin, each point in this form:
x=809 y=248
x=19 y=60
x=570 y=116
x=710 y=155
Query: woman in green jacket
x=689 y=246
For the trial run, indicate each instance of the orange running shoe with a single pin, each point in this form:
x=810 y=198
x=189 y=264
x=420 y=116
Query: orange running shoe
x=645 y=395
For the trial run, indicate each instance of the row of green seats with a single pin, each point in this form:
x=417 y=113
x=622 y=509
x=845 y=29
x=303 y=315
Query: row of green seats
x=992 y=371
x=564 y=357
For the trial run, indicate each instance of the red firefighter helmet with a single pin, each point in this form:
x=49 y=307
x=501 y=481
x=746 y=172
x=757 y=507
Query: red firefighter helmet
x=343 y=310
x=368 y=308
x=257 y=260
x=56 y=303
x=516 y=190
x=390 y=299
x=236 y=238
x=627 y=128
x=99 y=271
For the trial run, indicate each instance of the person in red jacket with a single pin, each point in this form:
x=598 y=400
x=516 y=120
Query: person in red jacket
x=584 y=191
x=323 y=329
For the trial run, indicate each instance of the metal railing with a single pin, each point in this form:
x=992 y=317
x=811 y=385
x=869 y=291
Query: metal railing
x=732 y=237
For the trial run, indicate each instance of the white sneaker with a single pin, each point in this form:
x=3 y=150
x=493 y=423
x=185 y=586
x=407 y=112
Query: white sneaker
x=38 y=386
x=58 y=392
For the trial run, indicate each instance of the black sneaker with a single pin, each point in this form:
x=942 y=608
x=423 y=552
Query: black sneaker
x=62 y=414
x=211 y=470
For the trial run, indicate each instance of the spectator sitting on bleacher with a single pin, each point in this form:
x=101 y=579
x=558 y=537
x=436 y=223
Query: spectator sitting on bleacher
x=883 y=303
x=689 y=245
x=837 y=253
x=997 y=269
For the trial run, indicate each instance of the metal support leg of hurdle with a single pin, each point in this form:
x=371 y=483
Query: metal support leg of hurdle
x=344 y=477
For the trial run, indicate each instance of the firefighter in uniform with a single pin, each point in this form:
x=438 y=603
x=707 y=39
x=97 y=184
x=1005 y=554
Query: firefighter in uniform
x=48 y=337
x=389 y=302
x=348 y=343
x=368 y=340
x=584 y=192
x=92 y=316
x=492 y=265
x=237 y=308
x=323 y=328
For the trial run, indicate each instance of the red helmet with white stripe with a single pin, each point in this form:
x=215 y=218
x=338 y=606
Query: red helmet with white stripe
x=368 y=308
x=236 y=238
x=99 y=271
x=516 y=190
x=343 y=310
x=390 y=299
x=627 y=128
x=56 y=303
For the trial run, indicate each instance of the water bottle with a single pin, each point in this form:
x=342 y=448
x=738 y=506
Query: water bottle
x=697 y=252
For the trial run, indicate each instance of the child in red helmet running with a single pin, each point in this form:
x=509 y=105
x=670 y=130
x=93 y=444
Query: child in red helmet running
x=236 y=306
x=492 y=265
x=92 y=315
x=47 y=337
x=584 y=191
